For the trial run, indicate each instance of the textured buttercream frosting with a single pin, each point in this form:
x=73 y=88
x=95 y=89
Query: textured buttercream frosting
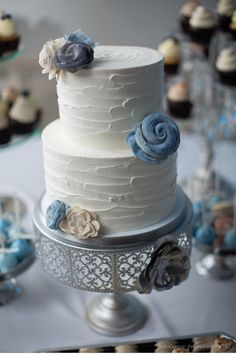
x=99 y=105
x=226 y=7
x=88 y=162
x=202 y=18
x=226 y=60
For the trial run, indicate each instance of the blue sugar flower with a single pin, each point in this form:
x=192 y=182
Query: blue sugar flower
x=155 y=138
x=79 y=36
x=73 y=56
x=55 y=213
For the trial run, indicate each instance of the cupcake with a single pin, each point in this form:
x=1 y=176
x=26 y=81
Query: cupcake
x=125 y=348
x=165 y=346
x=202 y=25
x=203 y=343
x=9 y=94
x=223 y=345
x=185 y=14
x=23 y=114
x=225 y=9
x=226 y=66
x=9 y=38
x=178 y=100
x=232 y=25
x=5 y=129
x=171 y=50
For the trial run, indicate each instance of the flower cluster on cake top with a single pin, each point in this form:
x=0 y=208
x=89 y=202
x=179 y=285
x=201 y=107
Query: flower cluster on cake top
x=71 y=53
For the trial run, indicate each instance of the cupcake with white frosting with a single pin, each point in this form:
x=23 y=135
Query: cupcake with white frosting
x=9 y=94
x=185 y=14
x=23 y=114
x=5 y=129
x=226 y=66
x=232 y=25
x=170 y=48
x=178 y=100
x=225 y=9
x=9 y=37
x=202 y=25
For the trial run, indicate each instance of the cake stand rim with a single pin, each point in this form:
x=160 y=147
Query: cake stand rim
x=151 y=234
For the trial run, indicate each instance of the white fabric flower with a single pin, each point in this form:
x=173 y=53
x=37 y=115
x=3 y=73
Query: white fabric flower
x=80 y=222
x=46 y=57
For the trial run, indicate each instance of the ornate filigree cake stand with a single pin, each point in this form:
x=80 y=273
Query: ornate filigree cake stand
x=111 y=264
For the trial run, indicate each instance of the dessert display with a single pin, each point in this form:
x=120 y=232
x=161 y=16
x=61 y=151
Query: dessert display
x=202 y=25
x=185 y=14
x=24 y=115
x=14 y=247
x=226 y=66
x=225 y=9
x=172 y=52
x=232 y=25
x=9 y=38
x=5 y=128
x=111 y=145
x=178 y=100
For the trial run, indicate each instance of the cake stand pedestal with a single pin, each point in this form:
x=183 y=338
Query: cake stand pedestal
x=111 y=264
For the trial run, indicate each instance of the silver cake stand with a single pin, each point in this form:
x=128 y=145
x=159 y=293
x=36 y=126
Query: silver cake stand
x=110 y=265
x=9 y=287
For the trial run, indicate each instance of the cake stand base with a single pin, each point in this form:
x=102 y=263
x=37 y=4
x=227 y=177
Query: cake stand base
x=9 y=290
x=214 y=266
x=116 y=315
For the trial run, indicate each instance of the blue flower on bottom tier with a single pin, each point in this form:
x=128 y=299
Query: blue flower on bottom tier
x=155 y=138
x=55 y=213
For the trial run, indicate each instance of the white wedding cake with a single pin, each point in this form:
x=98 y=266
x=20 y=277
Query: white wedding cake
x=92 y=161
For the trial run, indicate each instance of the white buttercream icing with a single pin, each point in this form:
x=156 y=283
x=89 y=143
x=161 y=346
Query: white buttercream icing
x=171 y=50
x=188 y=8
x=3 y=115
x=100 y=105
x=7 y=28
x=23 y=110
x=202 y=18
x=179 y=92
x=226 y=60
x=124 y=192
x=226 y=7
x=233 y=21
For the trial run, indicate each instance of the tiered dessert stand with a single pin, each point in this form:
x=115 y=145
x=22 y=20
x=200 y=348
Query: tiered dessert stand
x=111 y=265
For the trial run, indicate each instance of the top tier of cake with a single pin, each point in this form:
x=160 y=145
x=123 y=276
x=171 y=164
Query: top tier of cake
x=100 y=104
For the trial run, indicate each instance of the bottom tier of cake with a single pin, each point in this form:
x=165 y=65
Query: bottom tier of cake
x=125 y=192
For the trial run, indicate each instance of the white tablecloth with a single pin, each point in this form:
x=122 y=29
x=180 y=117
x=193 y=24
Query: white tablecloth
x=49 y=314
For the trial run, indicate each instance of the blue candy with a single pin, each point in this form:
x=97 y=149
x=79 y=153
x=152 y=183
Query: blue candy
x=55 y=213
x=206 y=235
x=230 y=239
x=7 y=262
x=23 y=248
x=5 y=225
x=215 y=199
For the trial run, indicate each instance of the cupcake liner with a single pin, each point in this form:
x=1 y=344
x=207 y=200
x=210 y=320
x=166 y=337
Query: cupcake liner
x=224 y=22
x=202 y=35
x=184 y=24
x=233 y=33
x=22 y=128
x=5 y=135
x=10 y=45
x=180 y=109
x=171 y=69
x=227 y=78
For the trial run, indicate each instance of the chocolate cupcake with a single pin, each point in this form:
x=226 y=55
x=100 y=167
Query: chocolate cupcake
x=9 y=39
x=178 y=100
x=171 y=50
x=225 y=9
x=9 y=94
x=23 y=114
x=185 y=14
x=202 y=25
x=5 y=129
x=232 y=25
x=226 y=66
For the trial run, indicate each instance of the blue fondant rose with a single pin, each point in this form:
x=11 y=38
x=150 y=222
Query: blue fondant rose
x=79 y=36
x=73 y=56
x=155 y=138
x=56 y=212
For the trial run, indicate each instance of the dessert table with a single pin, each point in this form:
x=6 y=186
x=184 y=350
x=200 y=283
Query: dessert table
x=50 y=315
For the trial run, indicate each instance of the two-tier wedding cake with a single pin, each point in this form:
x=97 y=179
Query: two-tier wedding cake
x=110 y=160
